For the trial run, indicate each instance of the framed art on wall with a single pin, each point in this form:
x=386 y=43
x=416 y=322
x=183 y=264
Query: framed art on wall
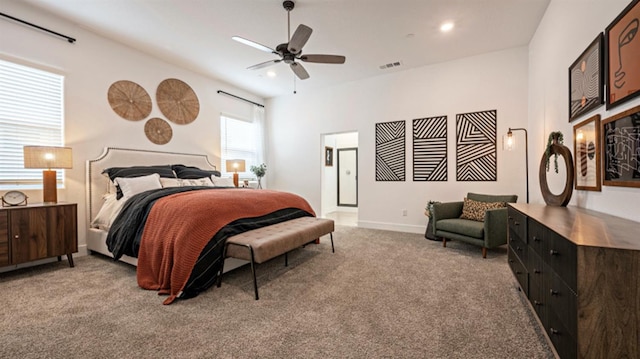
x=586 y=80
x=586 y=147
x=621 y=149
x=390 y=151
x=328 y=156
x=623 y=55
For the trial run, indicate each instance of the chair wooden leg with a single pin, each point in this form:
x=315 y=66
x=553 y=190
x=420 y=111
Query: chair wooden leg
x=484 y=252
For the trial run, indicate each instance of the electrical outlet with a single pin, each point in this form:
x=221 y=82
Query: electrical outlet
x=404 y=213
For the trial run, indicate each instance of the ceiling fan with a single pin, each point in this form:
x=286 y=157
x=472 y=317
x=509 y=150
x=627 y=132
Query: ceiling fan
x=291 y=51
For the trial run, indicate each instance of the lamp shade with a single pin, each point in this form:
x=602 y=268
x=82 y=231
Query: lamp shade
x=47 y=157
x=235 y=165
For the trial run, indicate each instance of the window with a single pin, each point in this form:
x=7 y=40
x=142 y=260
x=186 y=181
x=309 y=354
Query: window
x=31 y=113
x=240 y=139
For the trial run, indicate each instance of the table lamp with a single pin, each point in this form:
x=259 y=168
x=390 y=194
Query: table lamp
x=236 y=165
x=47 y=158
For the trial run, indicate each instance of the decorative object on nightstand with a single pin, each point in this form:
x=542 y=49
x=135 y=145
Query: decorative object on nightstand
x=556 y=148
x=509 y=145
x=38 y=231
x=259 y=171
x=14 y=198
x=236 y=165
x=47 y=158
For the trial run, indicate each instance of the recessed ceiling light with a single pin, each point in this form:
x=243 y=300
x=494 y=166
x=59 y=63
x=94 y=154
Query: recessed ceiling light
x=271 y=73
x=446 y=27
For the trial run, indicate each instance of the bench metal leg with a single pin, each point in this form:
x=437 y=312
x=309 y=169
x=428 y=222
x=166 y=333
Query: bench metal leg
x=224 y=256
x=332 y=249
x=253 y=271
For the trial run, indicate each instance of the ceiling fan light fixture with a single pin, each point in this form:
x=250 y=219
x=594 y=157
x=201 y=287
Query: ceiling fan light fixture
x=271 y=73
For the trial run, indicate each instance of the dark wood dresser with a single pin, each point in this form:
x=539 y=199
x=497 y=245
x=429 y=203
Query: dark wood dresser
x=38 y=231
x=580 y=270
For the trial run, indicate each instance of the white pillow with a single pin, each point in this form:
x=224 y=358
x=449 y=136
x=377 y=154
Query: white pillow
x=134 y=185
x=108 y=212
x=222 y=181
x=170 y=182
x=204 y=181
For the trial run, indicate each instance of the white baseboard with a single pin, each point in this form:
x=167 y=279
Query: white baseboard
x=397 y=227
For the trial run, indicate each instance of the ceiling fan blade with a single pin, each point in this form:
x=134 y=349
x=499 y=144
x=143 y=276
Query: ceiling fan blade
x=299 y=38
x=254 y=44
x=324 y=59
x=263 y=64
x=299 y=71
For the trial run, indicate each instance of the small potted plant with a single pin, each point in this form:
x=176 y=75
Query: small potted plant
x=259 y=171
x=555 y=138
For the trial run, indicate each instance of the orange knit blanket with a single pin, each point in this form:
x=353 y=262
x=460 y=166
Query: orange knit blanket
x=180 y=225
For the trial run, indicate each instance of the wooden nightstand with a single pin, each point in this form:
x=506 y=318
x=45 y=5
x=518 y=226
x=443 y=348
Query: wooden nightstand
x=38 y=231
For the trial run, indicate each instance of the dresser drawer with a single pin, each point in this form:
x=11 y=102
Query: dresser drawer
x=538 y=300
x=535 y=267
x=536 y=236
x=562 y=301
x=519 y=247
x=565 y=344
x=519 y=271
x=561 y=255
x=4 y=239
x=517 y=223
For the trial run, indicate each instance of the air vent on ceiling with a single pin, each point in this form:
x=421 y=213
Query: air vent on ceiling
x=390 y=65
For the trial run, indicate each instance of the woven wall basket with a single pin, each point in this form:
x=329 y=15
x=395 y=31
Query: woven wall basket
x=129 y=100
x=177 y=101
x=158 y=131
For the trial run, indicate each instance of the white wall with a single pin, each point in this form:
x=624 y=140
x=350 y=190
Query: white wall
x=90 y=66
x=492 y=81
x=566 y=30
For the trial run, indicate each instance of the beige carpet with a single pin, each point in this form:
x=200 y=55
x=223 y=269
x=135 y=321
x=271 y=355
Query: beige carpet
x=381 y=295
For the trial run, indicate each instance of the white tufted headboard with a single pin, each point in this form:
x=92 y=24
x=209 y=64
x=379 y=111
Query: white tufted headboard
x=97 y=184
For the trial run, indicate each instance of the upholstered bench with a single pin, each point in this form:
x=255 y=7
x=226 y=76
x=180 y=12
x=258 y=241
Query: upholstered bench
x=262 y=244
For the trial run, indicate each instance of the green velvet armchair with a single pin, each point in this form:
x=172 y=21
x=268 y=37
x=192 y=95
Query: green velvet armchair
x=490 y=233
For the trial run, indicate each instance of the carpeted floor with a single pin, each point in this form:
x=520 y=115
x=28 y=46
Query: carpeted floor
x=381 y=295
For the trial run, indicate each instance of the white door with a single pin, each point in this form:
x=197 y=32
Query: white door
x=348 y=177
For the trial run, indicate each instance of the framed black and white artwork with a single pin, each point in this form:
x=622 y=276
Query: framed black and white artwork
x=476 y=146
x=390 y=151
x=430 y=149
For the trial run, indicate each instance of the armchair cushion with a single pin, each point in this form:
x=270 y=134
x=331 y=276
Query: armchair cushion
x=462 y=226
x=474 y=210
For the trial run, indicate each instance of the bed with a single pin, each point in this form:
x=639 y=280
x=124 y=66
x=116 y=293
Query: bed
x=175 y=235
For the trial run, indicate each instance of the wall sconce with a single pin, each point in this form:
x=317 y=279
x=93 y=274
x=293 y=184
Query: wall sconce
x=236 y=165
x=509 y=144
x=48 y=158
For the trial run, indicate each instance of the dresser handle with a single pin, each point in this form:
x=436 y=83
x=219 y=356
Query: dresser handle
x=536 y=271
x=537 y=303
x=553 y=292
x=554 y=253
x=510 y=260
x=553 y=331
x=536 y=239
x=518 y=248
x=516 y=223
x=518 y=272
x=16 y=236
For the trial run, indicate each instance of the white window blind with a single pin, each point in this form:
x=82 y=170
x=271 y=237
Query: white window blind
x=31 y=113
x=238 y=141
